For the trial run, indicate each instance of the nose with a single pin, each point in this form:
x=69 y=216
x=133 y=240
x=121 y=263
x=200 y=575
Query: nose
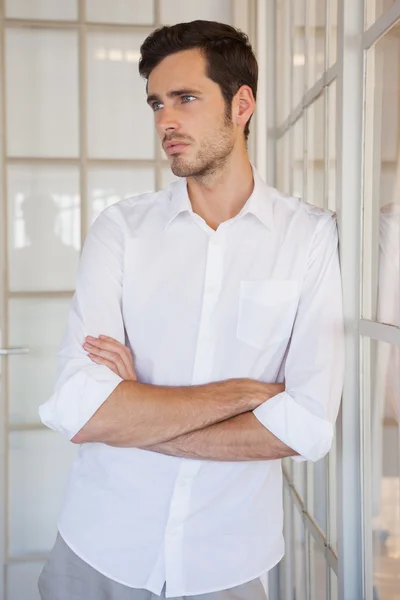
x=166 y=120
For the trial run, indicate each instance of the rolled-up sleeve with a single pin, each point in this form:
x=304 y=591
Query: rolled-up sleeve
x=82 y=386
x=303 y=416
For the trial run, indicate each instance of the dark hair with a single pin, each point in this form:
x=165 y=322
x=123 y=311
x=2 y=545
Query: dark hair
x=230 y=59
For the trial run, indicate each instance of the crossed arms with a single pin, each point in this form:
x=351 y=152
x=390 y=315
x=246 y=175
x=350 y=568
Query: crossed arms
x=212 y=421
x=236 y=419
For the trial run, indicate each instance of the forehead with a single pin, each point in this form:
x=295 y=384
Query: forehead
x=182 y=70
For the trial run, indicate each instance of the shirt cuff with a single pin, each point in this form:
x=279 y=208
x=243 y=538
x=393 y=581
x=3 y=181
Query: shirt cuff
x=76 y=401
x=298 y=428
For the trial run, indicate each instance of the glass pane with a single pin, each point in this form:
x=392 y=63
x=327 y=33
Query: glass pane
x=331 y=175
x=286 y=566
x=320 y=496
x=36 y=323
x=175 y=11
x=167 y=177
x=334 y=586
x=43 y=227
x=382 y=181
x=383 y=372
x=22 y=580
x=42 y=65
x=318 y=571
x=333 y=31
x=120 y=124
x=283 y=70
x=299 y=50
x=283 y=165
x=375 y=8
x=108 y=185
x=299 y=584
x=57 y=10
x=316 y=40
x=287 y=467
x=300 y=478
x=315 y=153
x=38 y=470
x=120 y=11
x=298 y=159
x=332 y=488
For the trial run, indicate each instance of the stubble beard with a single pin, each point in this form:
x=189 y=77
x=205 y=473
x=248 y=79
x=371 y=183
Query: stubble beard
x=211 y=157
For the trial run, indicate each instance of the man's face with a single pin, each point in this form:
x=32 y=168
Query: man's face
x=190 y=115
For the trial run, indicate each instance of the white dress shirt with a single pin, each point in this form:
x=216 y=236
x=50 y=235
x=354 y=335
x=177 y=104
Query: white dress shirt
x=258 y=298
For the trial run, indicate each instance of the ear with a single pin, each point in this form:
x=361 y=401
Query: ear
x=243 y=105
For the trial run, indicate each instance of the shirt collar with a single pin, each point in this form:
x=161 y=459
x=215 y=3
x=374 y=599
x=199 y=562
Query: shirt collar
x=259 y=203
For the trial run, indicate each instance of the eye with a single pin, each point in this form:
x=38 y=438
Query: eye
x=156 y=106
x=191 y=98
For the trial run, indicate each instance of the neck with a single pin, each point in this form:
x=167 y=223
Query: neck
x=221 y=194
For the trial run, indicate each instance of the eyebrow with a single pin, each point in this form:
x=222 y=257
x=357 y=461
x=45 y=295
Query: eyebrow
x=173 y=94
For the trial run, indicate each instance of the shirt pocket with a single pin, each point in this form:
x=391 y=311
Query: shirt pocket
x=266 y=311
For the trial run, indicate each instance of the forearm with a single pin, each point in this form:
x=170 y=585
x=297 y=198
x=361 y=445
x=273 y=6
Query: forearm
x=240 y=438
x=137 y=414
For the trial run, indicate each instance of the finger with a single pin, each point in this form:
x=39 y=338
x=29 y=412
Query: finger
x=126 y=371
x=113 y=357
x=116 y=347
x=102 y=361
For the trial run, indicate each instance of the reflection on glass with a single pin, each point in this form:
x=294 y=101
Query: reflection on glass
x=318 y=571
x=382 y=180
x=108 y=185
x=283 y=61
x=298 y=159
x=388 y=282
x=38 y=470
x=334 y=586
x=300 y=478
x=134 y=12
x=333 y=31
x=317 y=505
x=120 y=123
x=315 y=152
x=299 y=51
x=39 y=324
x=331 y=175
x=287 y=466
x=283 y=164
x=175 y=11
x=42 y=92
x=285 y=566
x=59 y=10
x=385 y=480
x=44 y=227
x=332 y=485
x=316 y=40
x=375 y=8
x=299 y=584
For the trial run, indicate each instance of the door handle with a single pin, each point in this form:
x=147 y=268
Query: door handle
x=7 y=351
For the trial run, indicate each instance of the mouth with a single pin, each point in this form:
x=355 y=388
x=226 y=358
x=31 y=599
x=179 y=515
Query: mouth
x=175 y=147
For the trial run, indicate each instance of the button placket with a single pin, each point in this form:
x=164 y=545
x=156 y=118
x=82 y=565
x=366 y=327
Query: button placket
x=179 y=510
x=205 y=343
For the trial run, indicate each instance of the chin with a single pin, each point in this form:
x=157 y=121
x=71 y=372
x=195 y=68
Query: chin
x=181 y=169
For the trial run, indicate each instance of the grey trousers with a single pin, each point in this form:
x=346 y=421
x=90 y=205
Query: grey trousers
x=67 y=577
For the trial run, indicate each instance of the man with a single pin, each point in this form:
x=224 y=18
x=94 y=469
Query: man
x=193 y=305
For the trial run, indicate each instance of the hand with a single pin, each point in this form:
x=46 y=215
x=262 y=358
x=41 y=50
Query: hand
x=111 y=353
